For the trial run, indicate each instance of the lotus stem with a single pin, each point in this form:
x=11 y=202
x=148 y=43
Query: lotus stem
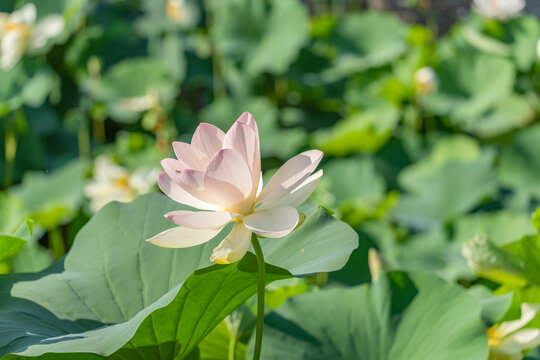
x=260 y=297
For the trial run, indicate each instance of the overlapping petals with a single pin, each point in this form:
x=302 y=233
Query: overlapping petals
x=221 y=174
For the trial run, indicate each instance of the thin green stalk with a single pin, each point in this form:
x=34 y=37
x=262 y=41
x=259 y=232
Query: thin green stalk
x=10 y=150
x=84 y=142
x=56 y=242
x=232 y=347
x=260 y=297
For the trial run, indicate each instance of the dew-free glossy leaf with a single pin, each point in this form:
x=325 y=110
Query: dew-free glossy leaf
x=116 y=294
x=400 y=317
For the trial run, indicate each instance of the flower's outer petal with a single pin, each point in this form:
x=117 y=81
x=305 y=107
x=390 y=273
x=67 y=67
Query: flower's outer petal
x=273 y=223
x=297 y=196
x=25 y=15
x=228 y=166
x=291 y=174
x=233 y=247
x=243 y=137
x=526 y=338
x=183 y=237
x=528 y=312
x=207 y=139
x=179 y=194
x=46 y=29
x=173 y=168
x=189 y=156
x=11 y=49
x=200 y=219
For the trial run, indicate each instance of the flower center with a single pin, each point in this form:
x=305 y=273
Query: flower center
x=494 y=336
x=122 y=182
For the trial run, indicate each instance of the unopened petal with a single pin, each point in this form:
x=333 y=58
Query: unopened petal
x=273 y=223
x=179 y=194
x=244 y=139
x=183 y=237
x=207 y=139
x=200 y=219
x=233 y=247
x=294 y=172
x=249 y=120
x=297 y=196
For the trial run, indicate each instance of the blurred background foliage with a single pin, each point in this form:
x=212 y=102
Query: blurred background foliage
x=428 y=124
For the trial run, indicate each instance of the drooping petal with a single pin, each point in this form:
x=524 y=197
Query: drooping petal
x=528 y=312
x=229 y=167
x=179 y=194
x=290 y=175
x=297 y=196
x=182 y=237
x=245 y=141
x=200 y=219
x=273 y=223
x=46 y=29
x=233 y=247
x=526 y=338
x=207 y=139
x=189 y=156
x=25 y=15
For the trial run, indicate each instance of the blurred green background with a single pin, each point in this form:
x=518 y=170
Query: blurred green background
x=426 y=112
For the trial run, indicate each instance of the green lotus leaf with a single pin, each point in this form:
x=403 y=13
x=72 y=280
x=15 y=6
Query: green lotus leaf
x=416 y=316
x=117 y=296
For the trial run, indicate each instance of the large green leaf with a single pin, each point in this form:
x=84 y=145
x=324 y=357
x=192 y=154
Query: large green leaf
x=366 y=40
x=365 y=131
x=266 y=40
x=501 y=227
x=52 y=198
x=519 y=167
x=471 y=84
x=450 y=181
x=400 y=317
x=116 y=294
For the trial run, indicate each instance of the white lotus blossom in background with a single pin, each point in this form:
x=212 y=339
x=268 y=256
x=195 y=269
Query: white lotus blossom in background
x=425 y=80
x=19 y=33
x=499 y=9
x=508 y=340
x=176 y=10
x=112 y=182
x=538 y=48
x=221 y=174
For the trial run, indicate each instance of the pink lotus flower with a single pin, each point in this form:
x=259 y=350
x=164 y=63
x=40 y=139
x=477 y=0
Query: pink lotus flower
x=221 y=174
